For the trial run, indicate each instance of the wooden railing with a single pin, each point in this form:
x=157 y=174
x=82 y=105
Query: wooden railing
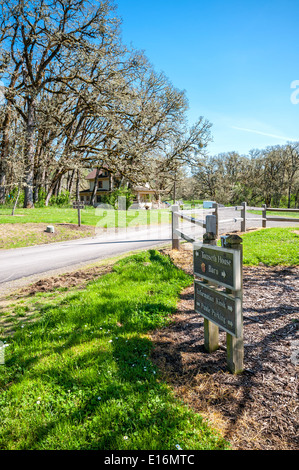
x=211 y=220
x=266 y=209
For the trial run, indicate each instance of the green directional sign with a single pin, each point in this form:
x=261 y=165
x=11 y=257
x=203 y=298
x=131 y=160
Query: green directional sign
x=219 y=265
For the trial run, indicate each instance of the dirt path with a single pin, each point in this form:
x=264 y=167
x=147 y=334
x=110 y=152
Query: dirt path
x=259 y=409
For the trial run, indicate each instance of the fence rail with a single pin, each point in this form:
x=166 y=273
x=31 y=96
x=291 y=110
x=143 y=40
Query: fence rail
x=212 y=220
x=266 y=209
x=193 y=220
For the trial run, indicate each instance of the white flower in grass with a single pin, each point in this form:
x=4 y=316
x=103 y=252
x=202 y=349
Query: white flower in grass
x=126 y=438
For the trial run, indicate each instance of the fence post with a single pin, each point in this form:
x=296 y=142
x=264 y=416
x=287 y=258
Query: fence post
x=235 y=346
x=264 y=216
x=216 y=213
x=243 y=215
x=2 y=361
x=211 y=224
x=211 y=331
x=175 y=225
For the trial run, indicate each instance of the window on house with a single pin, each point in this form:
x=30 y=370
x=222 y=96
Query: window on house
x=100 y=185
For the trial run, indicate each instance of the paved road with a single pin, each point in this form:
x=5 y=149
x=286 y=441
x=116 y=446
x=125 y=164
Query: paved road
x=23 y=263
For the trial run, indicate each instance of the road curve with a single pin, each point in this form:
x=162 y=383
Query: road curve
x=25 y=263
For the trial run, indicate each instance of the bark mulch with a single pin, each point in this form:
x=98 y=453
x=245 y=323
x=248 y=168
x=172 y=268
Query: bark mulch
x=258 y=409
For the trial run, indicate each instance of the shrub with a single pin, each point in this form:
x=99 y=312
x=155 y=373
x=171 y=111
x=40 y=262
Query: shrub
x=112 y=198
x=63 y=199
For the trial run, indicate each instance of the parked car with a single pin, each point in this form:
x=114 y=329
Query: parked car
x=208 y=204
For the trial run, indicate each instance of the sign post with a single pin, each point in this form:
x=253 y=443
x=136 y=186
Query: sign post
x=175 y=226
x=235 y=343
x=211 y=330
x=79 y=206
x=218 y=295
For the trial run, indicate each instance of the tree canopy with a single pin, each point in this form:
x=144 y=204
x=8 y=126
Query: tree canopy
x=76 y=97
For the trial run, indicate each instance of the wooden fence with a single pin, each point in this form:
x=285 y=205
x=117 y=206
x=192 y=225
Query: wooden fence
x=211 y=220
x=266 y=209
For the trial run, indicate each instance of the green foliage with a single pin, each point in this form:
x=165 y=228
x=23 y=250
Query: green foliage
x=81 y=376
x=112 y=198
x=62 y=200
x=11 y=197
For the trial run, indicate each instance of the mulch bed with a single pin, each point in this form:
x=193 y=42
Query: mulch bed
x=255 y=410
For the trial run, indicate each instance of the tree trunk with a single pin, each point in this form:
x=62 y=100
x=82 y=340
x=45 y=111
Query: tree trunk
x=95 y=188
x=111 y=182
x=78 y=186
x=59 y=186
x=2 y=186
x=17 y=199
x=268 y=201
x=57 y=175
x=4 y=156
x=289 y=197
x=29 y=157
x=5 y=137
x=71 y=182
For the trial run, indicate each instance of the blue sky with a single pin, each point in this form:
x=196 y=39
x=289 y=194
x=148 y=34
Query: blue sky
x=235 y=59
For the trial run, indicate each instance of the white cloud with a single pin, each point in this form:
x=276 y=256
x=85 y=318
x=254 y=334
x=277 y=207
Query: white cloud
x=274 y=136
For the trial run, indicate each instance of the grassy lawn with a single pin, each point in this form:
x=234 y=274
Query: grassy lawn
x=28 y=226
x=294 y=215
x=79 y=375
x=89 y=216
x=78 y=372
x=272 y=247
x=21 y=235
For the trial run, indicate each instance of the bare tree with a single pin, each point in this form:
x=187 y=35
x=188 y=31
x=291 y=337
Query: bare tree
x=45 y=42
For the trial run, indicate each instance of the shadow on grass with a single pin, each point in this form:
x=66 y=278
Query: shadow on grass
x=89 y=360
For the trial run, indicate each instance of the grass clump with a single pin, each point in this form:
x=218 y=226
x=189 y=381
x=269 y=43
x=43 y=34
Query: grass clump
x=81 y=376
x=272 y=247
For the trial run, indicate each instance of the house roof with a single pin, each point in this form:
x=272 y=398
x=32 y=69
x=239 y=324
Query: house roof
x=92 y=175
x=139 y=188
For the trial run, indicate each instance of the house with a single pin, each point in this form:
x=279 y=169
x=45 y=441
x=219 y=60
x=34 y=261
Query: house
x=107 y=182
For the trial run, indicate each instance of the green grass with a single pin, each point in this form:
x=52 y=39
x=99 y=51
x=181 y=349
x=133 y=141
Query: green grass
x=294 y=215
x=30 y=236
x=89 y=216
x=80 y=376
x=272 y=247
